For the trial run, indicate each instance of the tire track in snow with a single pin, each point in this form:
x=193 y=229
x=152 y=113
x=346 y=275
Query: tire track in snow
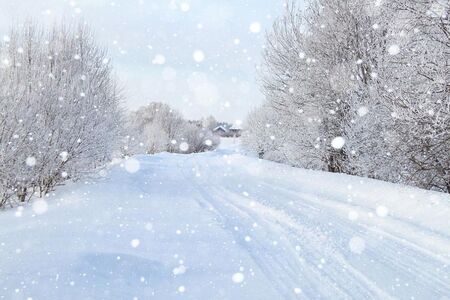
x=415 y=259
x=295 y=269
x=412 y=264
x=389 y=259
x=229 y=223
x=315 y=245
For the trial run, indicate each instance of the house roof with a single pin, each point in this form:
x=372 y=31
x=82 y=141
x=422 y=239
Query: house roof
x=223 y=128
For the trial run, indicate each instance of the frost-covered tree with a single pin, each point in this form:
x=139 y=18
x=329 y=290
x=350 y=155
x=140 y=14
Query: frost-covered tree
x=259 y=133
x=209 y=123
x=60 y=112
x=157 y=127
x=317 y=74
x=418 y=90
x=289 y=101
x=372 y=75
x=347 y=42
x=198 y=138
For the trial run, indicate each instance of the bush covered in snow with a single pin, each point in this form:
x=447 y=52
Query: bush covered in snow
x=360 y=88
x=59 y=109
x=159 y=128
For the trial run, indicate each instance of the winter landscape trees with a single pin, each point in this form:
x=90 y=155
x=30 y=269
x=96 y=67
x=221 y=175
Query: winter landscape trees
x=60 y=113
x=359 y=87
x=157 y=128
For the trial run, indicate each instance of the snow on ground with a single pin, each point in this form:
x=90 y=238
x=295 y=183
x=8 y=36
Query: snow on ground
x=222 y=225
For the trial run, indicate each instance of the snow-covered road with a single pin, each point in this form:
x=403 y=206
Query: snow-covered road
x=222 y=225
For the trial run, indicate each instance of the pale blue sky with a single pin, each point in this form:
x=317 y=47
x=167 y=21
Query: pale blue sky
x=137 y=31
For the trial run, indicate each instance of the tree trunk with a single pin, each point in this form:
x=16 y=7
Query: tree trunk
x=22 y=194
x=261 y=154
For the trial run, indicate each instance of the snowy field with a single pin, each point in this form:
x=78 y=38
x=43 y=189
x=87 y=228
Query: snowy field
x=222 y=225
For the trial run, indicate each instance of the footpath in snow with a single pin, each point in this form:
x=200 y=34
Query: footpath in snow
x=222 y=225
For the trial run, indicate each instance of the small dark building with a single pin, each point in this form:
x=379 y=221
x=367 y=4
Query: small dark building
x=227 y=131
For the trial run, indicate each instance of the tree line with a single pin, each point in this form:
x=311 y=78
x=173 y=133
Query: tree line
x=157 y=127
x=358 y=87
x=62 y=115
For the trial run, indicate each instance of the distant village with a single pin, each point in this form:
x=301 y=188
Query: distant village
x=227 y=130
x=222 y=129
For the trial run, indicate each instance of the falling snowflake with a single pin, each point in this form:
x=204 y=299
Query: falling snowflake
x=382 y=211
x=362 y=111
x=394 y=50
x=255 y=27
x=238 y=277
x=30 y=161
x=135 y=243
x=181 y=269
x=185 y=7
x=184 y=146
x=159 y=60
x=132 y=165
x=198 y=56
x=338 y=143
x=64 y=156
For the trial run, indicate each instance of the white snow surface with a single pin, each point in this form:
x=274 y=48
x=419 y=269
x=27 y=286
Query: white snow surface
x=223 y=225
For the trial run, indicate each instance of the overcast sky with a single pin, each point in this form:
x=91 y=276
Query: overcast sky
x=198 y=55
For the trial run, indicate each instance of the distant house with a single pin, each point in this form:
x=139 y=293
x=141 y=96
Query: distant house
x=227 y=130
x=221 y=130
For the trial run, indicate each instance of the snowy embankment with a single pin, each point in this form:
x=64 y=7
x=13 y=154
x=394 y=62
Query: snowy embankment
x=222 y=225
